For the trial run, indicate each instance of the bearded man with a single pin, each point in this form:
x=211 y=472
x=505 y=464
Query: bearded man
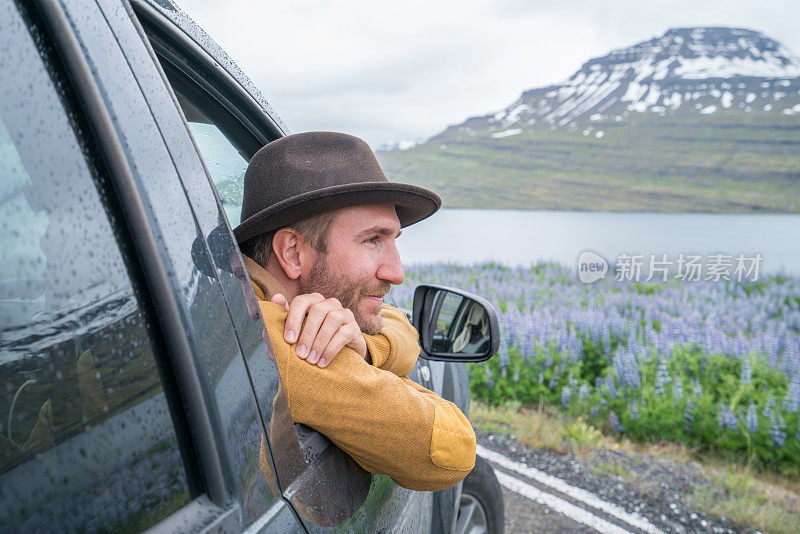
x=319 y=223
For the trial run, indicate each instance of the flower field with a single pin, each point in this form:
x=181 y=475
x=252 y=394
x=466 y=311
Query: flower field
x=709 y=364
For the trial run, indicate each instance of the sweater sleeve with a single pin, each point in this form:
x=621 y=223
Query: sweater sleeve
x=387 y=424
x=396 y=347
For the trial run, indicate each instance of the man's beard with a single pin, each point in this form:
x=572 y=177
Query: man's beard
x=331 y=284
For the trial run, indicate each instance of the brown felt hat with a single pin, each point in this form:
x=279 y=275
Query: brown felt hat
x=301 y=175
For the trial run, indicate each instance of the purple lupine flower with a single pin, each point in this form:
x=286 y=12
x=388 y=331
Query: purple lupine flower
x=618 y=365
x=677 y=388
x=565 y=395
x=747 y=372
x=572 y=381
x=633 y=411
x=544 y=312
x=613 y=422
x=726 y=419
x=612 y=389
x=503 y=352
x=516 y=375
x=777 y=431
x=791 y=402
x=489 y=378
x=593 y=411
x=769 y=409
x=583 y=392
x=791 y=356
x=697 y=389
x=598 y=382
x=554 y=380
x=751 y=419
x=631 y=370
x=662 y=377
x=606 y=340
x=688 y=415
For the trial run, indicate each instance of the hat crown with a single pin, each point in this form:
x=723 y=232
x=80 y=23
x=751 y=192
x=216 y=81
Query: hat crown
x=302 y=163
x=302 y=175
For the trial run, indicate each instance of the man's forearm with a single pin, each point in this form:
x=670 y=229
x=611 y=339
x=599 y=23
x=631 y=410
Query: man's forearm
x=387 y=423
x=396 y=347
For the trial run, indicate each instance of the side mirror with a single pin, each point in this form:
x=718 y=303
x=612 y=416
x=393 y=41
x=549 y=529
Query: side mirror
x=455 y=325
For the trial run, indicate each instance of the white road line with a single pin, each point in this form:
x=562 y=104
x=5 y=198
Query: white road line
x=579 y=494
x=557 y=504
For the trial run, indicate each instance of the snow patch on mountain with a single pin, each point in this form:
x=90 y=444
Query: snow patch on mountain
x=767 y=66
x=694 y=70
x=404 y=144
x=506 y=133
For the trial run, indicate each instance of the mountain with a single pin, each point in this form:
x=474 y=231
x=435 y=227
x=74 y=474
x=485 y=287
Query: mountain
x=700 y=70
x=697 y=119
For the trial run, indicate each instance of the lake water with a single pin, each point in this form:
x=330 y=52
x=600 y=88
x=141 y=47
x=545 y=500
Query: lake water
x=523 y=237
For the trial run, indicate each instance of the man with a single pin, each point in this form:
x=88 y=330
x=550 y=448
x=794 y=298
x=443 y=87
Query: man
x=319 y=223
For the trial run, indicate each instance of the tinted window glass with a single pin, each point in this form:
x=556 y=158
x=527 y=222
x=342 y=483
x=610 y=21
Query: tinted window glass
x=225 y=164
x=87 y=440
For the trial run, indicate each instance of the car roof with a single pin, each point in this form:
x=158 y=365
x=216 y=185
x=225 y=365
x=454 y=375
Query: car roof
x=178 y=17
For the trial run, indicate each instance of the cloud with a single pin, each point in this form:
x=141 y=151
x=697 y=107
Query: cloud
x=402 y=70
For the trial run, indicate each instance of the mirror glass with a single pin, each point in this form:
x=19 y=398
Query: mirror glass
x=459 y=325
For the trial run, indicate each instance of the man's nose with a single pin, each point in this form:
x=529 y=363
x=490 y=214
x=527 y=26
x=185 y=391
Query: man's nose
x=391 y=269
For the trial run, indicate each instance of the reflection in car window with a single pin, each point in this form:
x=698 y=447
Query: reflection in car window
x=224 y=163
x=87 y=439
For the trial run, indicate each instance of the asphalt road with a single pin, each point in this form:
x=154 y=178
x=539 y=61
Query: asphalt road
x=524 y=515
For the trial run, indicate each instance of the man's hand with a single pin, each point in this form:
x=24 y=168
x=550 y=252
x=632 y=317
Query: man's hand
x=328 y=329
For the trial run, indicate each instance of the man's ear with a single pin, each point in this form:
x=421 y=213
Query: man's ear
x=288 y=250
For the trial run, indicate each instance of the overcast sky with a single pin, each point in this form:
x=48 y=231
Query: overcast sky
x=388 y=71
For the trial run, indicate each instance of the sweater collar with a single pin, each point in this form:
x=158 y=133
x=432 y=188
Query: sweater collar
x=264 y=284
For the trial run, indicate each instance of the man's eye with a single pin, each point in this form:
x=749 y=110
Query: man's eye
x=372 y=240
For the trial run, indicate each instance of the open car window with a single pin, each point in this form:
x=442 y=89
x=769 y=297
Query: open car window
x=325 y=486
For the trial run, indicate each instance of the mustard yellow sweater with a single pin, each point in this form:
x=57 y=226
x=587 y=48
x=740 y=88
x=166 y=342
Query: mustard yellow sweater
x=385 y=421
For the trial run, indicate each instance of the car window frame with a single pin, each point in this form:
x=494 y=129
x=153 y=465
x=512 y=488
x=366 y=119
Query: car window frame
x=198 y=186
x=77 y=164
x=198 y=74
x=202 y=71
x=200 y=66
x=235 y=101
x=210 y=509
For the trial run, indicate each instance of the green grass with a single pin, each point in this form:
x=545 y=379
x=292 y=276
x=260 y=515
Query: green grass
x=537 y=427
x=660 y=415
x=750 y=507
x=606 y=468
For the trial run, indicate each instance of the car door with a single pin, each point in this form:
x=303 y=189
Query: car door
x=121 y=356
x=88 y=438
x=229 y=121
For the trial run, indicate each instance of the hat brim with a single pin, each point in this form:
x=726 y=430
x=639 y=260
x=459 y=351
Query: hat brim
x=413 y=204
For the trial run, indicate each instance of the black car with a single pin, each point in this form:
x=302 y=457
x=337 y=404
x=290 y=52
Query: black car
x=137 y=392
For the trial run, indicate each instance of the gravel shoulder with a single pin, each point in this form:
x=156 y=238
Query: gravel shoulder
x=656 y=488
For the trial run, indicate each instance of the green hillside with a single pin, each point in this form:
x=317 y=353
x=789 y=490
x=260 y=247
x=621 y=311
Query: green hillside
x=726 y=162
x=699 y=119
